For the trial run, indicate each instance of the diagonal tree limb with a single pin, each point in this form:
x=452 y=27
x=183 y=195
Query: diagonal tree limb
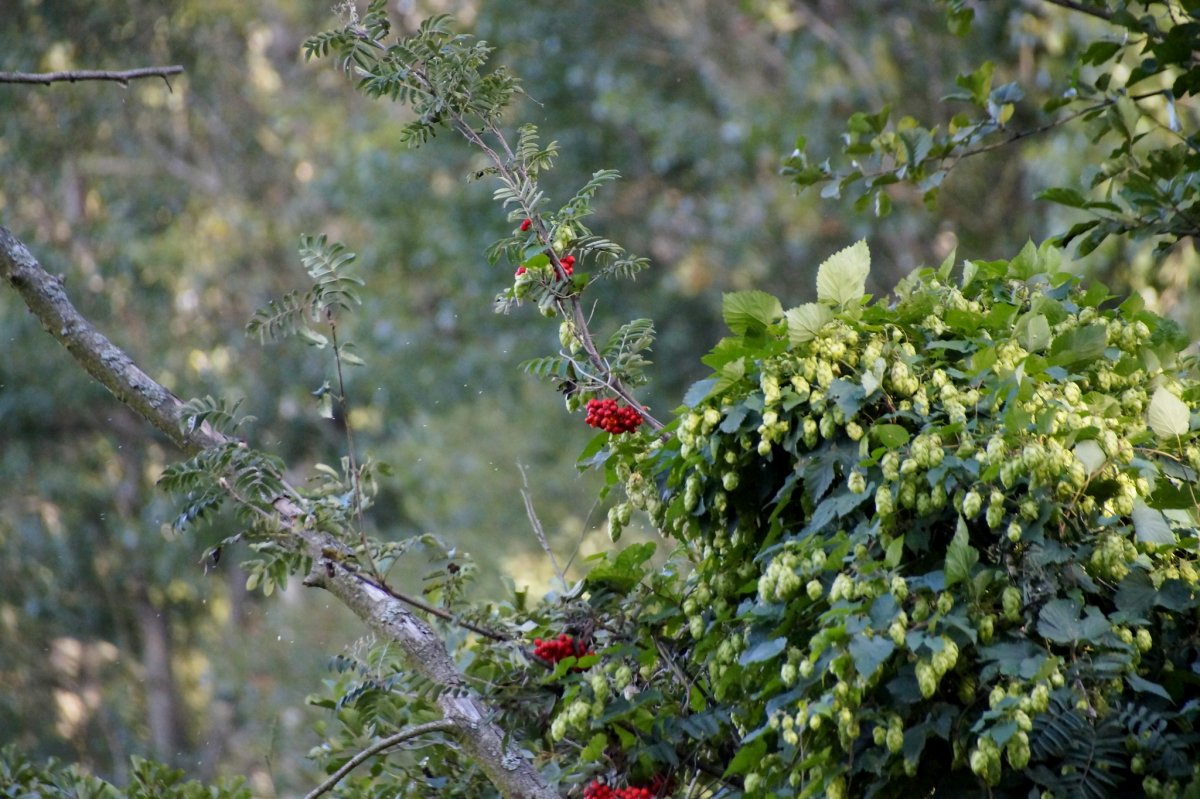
x=74 y=76
x=466 y=714
x=99 y=357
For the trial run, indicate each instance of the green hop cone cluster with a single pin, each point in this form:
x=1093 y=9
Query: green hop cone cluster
x=965 y=491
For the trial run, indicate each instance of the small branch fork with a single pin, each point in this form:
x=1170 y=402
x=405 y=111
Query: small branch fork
x=384 y=611
x=408 y=733
x=75 y=76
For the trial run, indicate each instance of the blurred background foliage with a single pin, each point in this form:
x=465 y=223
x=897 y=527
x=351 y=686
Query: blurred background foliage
x=173 y=214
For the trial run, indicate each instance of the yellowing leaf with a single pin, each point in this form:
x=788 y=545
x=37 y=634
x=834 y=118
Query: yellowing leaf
x=1090 y=455
x=842 y=278
x=806 y=321
x=1168 y=415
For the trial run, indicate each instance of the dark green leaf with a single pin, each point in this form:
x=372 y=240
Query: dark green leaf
x=869 y=653
x=961 y=557
x=750 y=311
x=891 y=436
x=764 y=650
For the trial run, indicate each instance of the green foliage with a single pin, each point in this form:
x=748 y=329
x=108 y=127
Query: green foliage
x=434 y=70
x=332 y=293
x=946 y=541
x=1125 y=89
x=915 y=604
x=20 y=778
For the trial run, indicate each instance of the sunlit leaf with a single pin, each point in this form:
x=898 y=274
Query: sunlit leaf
x=748 y=311
x=1168 y=415
x=842 y=278
x=805 y=322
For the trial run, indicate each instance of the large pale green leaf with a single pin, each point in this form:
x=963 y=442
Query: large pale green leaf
x=1168 y=415
x=750 y=311
x=1090 y=455
x=842 y=278
x=1036 y=334
x=806 y=321
x=1150 y=525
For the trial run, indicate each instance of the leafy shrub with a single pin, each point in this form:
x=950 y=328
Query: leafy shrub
x=940 y=541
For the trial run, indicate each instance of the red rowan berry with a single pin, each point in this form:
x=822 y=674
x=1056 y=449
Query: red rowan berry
x=608 y=416
x=528 y=223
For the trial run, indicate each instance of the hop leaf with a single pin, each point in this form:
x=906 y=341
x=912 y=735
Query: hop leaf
x=842 y=278
x=750 y=311
x=806 y=321
x=1169 y=416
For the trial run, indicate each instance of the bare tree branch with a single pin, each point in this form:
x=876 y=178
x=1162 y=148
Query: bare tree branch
x=408 y=733
x=497 y=754
x=99 y=357
x=1082 y=8
x=74 y=76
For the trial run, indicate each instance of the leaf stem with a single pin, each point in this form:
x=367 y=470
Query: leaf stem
x=351 y=458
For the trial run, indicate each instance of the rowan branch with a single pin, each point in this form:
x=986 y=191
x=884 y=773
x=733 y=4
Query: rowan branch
x=408 y=733
x=498 y=755
x=99 y=357
x=1090 y=10
x=75 y=76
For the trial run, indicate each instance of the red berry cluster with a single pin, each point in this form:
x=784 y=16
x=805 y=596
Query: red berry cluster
x=556 y=649
x=598 y=790
x=608 y=416
x=525 y=225
x=567 y=261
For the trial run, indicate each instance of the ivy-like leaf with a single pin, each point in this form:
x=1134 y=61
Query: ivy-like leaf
x=891 y=436
x=1036 y=334
x=842 y=278
x=1059 y=621
x=961 y=557
x=764 y=650
x=869 y=653
x=1090 y=455
x=805 y=322
x=1168 y=415
x=1150 y=525
x=750 y=311
x=1078 y=347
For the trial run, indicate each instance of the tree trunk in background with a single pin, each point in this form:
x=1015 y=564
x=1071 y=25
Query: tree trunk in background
x=162 y=694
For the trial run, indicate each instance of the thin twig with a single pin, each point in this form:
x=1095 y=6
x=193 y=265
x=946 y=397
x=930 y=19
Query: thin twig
x=74 y=76
x=445 y=615
x=408 y=733
x=355 y=481
x=538 y=532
